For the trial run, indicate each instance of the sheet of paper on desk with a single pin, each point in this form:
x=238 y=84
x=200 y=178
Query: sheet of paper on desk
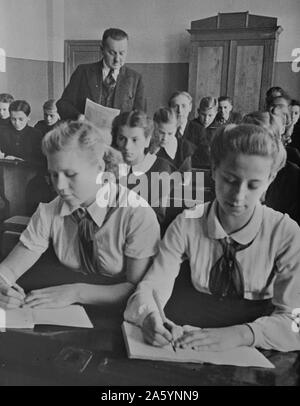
x=71 y=316
x=17 y=318
x=100 y=116
x=241 y=356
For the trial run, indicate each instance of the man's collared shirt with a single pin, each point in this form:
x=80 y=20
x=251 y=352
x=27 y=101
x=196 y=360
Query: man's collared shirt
x=106 y=70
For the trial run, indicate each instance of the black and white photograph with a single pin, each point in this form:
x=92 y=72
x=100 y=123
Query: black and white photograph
x=149 y=196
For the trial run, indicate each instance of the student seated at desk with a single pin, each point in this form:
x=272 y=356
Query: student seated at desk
x=189 y=130
x=281 y=109
x=295 y=116
x=271 y=93
x=51 y=117
x=5 y=100
x=131 y=134
x=280 y=195
x=226 y=115
x=242 y=255
x=167 y=144
x=207 y=111
x=91 y=225
x=19 y=140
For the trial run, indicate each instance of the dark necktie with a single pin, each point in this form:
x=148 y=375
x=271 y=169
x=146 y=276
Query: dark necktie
x=87 y=229
x=226 y=276
x=110 y=81
x=86 y=232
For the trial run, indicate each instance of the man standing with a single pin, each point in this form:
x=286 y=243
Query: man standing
x=107 y=82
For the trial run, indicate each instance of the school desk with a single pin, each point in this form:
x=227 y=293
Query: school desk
x=14 y=177
x=50 y=355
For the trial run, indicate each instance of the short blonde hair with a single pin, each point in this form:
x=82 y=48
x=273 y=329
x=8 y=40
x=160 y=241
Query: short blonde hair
x=83 y=136
x=247 y=139
x=207 y=103
x=264 y=119
x=180 y=93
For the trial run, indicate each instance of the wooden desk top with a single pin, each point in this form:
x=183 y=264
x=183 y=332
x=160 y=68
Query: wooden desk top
x=50 y=355
x=19 y=163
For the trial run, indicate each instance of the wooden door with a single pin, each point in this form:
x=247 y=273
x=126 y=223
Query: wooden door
x=80 y=51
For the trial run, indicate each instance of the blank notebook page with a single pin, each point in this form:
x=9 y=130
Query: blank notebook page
x=240 y=356
x=73 y=316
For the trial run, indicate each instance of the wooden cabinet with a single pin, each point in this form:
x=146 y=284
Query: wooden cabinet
x=233 y=54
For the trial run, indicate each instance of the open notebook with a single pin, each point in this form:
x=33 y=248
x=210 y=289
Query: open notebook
x=241 y=356
x=73 y=316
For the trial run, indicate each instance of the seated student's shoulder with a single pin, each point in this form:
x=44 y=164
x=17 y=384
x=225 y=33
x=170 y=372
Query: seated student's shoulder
x=192 y=220
x=47 y=214
x=195 y=127
x=279 y=223
x=188 y=148
x=195 y=133
x=236 y=117
x=134 y=206
x=162 y=165
x=40 y=125
x=3 y=128
x=7 y=134
x=5 y=122
x=33 y=132
x=52 y=208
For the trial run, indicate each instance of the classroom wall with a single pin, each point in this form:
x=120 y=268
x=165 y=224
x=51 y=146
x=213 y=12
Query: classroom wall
x=32 y=32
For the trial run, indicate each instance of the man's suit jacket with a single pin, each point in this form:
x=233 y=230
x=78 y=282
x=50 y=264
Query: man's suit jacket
x=85 y=83
x=199 y=136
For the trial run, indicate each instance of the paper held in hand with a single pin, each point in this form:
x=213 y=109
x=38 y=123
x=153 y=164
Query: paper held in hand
x=240 y=356
x=101 y=116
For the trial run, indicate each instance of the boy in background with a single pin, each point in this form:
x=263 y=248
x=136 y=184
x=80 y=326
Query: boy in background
x=51 y=117
x=19 y=140
x=5 y=100
x=226 y=115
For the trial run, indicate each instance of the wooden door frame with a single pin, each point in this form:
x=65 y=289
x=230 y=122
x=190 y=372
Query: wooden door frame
x=69 y=48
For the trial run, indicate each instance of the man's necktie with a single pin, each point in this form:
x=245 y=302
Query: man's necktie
x=86 y=232
x=226 y=276
x=110 y=81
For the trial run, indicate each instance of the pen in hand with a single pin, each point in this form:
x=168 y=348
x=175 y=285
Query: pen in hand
x=14 y=286
x=166 y=324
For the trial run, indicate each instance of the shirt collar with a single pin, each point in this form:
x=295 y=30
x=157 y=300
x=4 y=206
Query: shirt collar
x=106 y=69
x=144 y=166
x=171 y=147
x=182 y=127
x=243 y=236
x=96 y=210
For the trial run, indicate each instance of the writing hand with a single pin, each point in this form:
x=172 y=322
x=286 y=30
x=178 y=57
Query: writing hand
x=11 y=297
x=156 y=333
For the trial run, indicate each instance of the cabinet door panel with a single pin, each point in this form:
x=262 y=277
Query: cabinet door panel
x=208 y=70
x=248 y=77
